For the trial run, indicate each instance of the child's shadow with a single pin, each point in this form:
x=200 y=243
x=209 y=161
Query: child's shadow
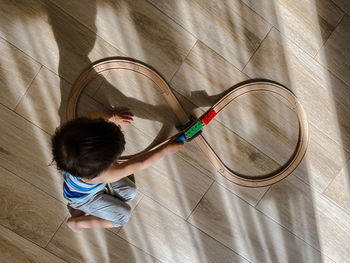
x=160 y=113
x=74 y=47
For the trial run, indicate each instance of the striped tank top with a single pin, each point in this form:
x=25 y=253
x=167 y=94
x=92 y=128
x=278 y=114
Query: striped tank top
x=77 y=191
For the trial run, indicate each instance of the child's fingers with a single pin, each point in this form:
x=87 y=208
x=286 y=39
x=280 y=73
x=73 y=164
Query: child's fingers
x=174 y=147
x=127 y=122
x=127 y=117
x=125 y=112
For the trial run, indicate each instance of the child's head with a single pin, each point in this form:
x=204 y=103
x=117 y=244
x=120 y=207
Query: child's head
x=85 y=147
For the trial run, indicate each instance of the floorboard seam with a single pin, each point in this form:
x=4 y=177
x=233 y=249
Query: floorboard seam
x=199 y=201
x=187 y=222
x=32 y=242
x=183 y=61
x=194 y=166
x=256 y=205
x=343 y=10
x=61 y=77
x=121 y=237
x=12 y=44
x=322 y=193
x=256 y=50
x=290 y=231
x=27 y=89
x=219 y=242
x=326 y=135
x=25 y=119
x=36 y=187
x=154 y=6
x=100 y=86
x=139 y=248
x=64 y=220
x=335 y=27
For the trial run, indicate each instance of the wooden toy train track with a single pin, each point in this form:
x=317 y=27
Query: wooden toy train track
x=193 y=130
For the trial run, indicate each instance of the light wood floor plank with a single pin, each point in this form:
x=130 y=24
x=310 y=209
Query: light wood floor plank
x=307 y=23
x=204 y=75
x=16 y=249
x=172 y=182
x=310 y=216
x=143 y=98
x=194 y=156
x=229 y=27
x=206 y=43
x=236 y=153
x=339 y=189
x=344 y=5
x=175 y=184
x=260 y=118
x=325 y=98
x=28 y=211
x=138 y=29
x=26 y=152
x=46 y=100
x=17 y=70
x=202 y=79
x=139 y=94
x=171 y=239
x=65 y=46
x=246 y=158
x=335 y=54
x=93 y=246
x=253 y=235
x=95 y=84
x=322 y=162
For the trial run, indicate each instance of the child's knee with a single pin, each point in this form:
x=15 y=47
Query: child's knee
x=72 y=223
x=129 y=193
x=123 y=217
x=132 y=191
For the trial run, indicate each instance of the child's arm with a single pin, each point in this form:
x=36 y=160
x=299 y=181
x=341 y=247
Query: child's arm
x=138 y=163
x=121 y=117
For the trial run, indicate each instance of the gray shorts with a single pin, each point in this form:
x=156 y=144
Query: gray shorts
x=110 y=203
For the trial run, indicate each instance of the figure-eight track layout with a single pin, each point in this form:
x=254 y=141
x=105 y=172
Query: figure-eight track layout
x=193 y=130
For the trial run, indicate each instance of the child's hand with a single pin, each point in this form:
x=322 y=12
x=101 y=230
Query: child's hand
x=173 y=147
x=122 y=117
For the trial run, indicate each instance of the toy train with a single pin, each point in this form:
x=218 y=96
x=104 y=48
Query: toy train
x=194 y=129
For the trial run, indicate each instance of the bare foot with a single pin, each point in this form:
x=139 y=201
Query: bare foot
x=72 y=224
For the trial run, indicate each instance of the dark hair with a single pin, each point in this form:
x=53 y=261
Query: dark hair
x=86 y=147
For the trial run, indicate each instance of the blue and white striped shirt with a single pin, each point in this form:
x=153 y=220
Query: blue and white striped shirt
x=75 y=190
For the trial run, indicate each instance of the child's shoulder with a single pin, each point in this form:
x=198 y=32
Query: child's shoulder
x=97 y=180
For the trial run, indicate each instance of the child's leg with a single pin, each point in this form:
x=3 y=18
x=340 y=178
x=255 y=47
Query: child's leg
x=102 y=211
x=125 y=189
x=82 y=222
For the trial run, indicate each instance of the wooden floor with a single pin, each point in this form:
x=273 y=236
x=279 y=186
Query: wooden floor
x=184 y=211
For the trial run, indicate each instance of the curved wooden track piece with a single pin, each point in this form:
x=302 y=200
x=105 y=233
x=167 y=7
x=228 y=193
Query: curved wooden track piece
x=139 y=68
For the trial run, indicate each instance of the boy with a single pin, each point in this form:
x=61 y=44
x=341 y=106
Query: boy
x=86 y=150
